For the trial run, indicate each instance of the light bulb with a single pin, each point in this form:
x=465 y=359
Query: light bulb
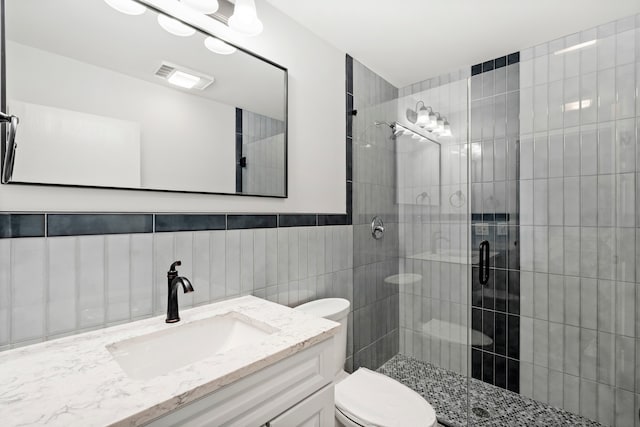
x=423 y=117
x=433 y=121
x=218 y=46
x=175 y=27
x=245 y=18
x=203 y=6
x=128 y=7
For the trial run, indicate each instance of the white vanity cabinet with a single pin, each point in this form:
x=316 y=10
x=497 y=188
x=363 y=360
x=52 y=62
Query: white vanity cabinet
x=296 y=391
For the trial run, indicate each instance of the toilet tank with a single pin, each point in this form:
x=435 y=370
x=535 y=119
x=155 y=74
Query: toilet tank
x=336 y=309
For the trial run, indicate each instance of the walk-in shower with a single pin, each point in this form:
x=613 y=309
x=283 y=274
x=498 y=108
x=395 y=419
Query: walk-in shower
x=506 y=285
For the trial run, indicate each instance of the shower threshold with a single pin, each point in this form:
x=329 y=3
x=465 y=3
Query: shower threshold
x=490 y=405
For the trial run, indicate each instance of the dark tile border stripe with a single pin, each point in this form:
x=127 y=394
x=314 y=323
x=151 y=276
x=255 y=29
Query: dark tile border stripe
x=175 y=222
x=297 y=220
x=333 y=220
x=241 y=222
x=503 y=61
x=22 y=225
x=90 y=224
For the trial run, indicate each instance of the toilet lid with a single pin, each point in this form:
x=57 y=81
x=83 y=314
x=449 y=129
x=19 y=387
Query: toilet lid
x=372 y=399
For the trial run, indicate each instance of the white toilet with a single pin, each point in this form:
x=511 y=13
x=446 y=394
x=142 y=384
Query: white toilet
x=367 y=398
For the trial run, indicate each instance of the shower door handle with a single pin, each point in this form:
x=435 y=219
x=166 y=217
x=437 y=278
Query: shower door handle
x=483 y=271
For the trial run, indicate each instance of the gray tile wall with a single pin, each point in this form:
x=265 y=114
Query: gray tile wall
x=57 y=286
x=375 y=316
x=263 y=144
x=579 y=224
x=433 y=230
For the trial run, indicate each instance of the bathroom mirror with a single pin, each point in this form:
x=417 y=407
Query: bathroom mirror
x=131 y=99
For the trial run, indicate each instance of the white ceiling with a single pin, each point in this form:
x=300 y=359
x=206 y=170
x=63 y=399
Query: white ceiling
x=406 y=41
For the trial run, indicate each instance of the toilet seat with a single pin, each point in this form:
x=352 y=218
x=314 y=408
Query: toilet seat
x=368 y=398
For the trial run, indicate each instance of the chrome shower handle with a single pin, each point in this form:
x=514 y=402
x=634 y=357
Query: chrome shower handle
x=10 y=146
x=377 y=228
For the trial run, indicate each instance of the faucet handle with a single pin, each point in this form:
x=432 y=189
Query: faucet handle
x=172 y=269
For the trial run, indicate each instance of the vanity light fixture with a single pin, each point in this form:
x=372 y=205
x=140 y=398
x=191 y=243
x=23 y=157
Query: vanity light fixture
x=575 y=47
x=245 y=18
x=175 y=27
x=205 y=7
x=429 y=120
x=128 y=7
x=218 y=46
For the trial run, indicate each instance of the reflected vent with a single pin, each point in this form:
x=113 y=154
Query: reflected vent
x=183 y=77
x=164 y=71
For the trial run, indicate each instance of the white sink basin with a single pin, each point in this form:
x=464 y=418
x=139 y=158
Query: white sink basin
x=148 y=356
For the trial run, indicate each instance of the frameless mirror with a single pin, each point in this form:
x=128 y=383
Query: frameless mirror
x=111 y=98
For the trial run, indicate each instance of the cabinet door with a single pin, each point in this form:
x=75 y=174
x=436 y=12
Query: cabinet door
x=315 y=411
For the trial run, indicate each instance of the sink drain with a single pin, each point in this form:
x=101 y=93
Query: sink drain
x=480 y=412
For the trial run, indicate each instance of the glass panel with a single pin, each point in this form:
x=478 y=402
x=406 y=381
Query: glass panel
x=553 y=191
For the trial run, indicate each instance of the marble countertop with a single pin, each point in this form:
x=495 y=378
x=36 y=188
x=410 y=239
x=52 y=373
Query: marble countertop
x=75 y=381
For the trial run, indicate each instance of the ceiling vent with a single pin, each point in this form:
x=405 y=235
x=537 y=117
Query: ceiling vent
x=194 y=79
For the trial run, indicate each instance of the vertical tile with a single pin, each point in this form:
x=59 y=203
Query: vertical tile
x=27 y=288
x=541 y=296
x=589 y=250
x=232 y=263
x=606 y=210
x=625 y=200
x=588 y=399
x=201 y=279
x=571 y=350
x=61 y=295
x=556 y=298
x=556 y=346
x=625 y=309
x=571 y=201
x=625 y=146
x=571 y=394
x=526 y=379
x=556 y=389
x=5 y=291
x=294 y=254
x=91 y=285
x=588 y=303
x=571 y=299
x=303 y=252
x=606 y=306
x=625 y=362
x=588 y=354
x=117 y=277
x=246 y=261
x=588 y=201
x=272 y=258
x=541 y=343
x=259 y=258
x=142 y=278
x=625 y=413
x=163 y=256
x=183 y=251
x=606 y=404
x=606 y=354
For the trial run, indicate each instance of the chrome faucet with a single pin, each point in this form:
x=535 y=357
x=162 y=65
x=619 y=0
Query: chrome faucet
x=172 y=302
x=435 y=237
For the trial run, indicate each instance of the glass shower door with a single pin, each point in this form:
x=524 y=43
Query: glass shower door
x=553 y=193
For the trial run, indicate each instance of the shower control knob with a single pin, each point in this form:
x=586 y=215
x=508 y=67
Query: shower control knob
x=377 y=228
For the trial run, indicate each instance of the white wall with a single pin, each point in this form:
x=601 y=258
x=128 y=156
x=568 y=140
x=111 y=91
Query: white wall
x=316 y=135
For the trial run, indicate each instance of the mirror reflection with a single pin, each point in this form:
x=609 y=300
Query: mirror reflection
x=131 y=98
